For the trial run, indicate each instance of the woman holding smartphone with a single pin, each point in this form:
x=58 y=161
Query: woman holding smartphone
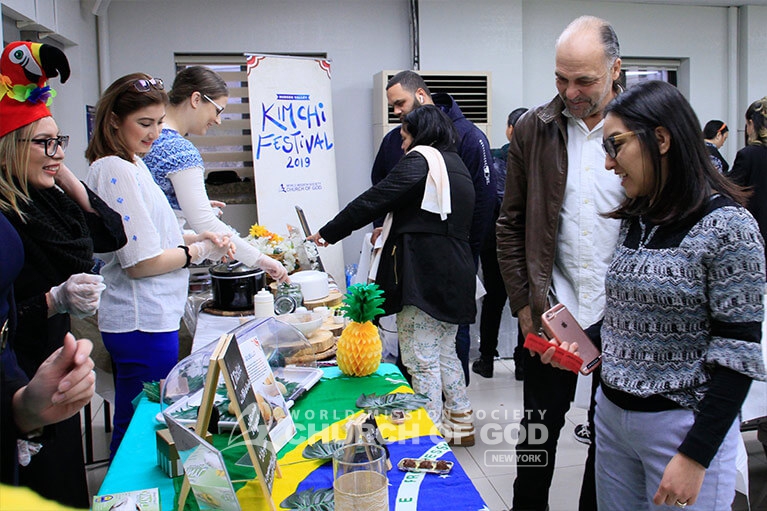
x=682 y=327
x=197 y=100
x=147 y=279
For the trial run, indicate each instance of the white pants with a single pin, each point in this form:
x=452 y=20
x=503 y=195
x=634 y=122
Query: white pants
x=633 y=449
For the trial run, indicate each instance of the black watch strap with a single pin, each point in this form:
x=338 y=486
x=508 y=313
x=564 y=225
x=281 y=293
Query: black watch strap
x=188 y=255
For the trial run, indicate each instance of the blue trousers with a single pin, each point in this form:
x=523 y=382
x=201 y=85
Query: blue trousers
x=633 y=449
x=138 y=357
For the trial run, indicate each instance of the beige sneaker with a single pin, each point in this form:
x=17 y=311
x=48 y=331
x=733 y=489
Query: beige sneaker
x=458 y=428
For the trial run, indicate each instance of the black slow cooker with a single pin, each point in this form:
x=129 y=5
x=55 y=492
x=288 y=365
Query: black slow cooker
x=234 y=285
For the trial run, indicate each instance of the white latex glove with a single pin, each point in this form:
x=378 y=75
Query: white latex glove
x=274 y=268
x=79 y=296
x=206 y=249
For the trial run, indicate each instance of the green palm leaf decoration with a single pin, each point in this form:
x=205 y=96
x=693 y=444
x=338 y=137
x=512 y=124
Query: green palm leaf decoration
x=388 y=402
x=310 y=500
x=322 y=450
x=362 y=302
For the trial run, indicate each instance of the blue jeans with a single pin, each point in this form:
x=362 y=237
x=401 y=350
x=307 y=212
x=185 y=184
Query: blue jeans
x=138 y=357
x=633 y=449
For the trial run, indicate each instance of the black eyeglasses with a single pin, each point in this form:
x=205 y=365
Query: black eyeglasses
x=143 y=85
x=219 y=108
x=51 y=145
x=613 y=143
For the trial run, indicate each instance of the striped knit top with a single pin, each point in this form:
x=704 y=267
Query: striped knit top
x=682 y=300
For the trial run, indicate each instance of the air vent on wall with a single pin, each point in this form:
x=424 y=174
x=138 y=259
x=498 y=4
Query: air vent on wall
x=470 y=90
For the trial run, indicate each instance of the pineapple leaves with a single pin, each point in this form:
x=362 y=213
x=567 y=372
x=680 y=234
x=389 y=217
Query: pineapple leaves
x=322 y=450
x=388 y=402
x=362 y=302
x=310 y=500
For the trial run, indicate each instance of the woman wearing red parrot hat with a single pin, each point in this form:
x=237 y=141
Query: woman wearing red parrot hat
x=60 y=222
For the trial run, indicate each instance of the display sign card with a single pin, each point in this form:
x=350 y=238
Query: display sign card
x=204 y=468
x=252 y=425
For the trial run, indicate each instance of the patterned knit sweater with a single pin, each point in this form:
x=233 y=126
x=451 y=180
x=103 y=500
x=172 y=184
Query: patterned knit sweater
x=683 y=300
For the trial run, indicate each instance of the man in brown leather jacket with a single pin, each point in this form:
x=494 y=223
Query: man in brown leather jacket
x=553 y=245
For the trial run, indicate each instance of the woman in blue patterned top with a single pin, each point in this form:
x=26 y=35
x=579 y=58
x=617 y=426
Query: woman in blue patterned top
x=682 y=326
x=197 y=99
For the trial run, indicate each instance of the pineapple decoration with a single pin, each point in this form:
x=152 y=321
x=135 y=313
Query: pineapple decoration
x=359 y=347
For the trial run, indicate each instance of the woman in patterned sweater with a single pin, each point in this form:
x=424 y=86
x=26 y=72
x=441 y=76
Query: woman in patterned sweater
x=682 y=326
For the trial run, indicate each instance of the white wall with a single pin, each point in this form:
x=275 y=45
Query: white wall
x=73 y=29
x=753 y=55
x=513 y=39
x=361 y=37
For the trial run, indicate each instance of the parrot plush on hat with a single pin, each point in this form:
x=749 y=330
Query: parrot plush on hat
x=25 y=95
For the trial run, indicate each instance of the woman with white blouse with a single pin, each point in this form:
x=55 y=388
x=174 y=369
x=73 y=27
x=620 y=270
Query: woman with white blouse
x=147 y=279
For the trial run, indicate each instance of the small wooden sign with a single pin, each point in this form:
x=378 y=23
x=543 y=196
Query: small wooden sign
x=227 y=360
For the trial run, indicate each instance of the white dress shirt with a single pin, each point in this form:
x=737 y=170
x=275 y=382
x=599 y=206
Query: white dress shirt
x=585 y=240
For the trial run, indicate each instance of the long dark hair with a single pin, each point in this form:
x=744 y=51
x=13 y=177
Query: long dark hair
x=691 y=178
x=428 y=125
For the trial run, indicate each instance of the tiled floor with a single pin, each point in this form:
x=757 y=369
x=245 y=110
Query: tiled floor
x=501 y=395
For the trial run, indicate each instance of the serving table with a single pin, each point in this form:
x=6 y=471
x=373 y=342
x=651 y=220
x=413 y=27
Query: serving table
x=321 y=414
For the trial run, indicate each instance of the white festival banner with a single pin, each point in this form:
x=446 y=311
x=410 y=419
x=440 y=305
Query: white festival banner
x=294 y=161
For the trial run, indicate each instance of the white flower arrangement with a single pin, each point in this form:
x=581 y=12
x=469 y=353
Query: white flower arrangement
x=292 y=257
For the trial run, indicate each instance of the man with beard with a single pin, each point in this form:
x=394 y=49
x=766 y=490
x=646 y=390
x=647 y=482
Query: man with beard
x=407 y=91
x=553 y=244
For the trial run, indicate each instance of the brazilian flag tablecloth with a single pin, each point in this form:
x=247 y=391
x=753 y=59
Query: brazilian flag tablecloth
x=320 y=415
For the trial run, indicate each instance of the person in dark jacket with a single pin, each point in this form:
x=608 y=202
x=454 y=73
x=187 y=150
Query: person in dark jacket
x=407 y=91
x=60 y=222
x=426 y=267
x=26 y=405
x=715 y=134
x=750 y=167
x=495 y=299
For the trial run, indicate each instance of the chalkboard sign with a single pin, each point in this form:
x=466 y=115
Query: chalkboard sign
x=227 y=360
x=253 y=427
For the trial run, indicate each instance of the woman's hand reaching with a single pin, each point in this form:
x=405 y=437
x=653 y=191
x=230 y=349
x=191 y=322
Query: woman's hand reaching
x=210 y=245
x=274 y=268
x=317 y=240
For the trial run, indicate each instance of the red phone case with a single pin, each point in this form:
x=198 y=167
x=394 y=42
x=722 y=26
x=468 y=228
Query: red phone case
x=571 y=361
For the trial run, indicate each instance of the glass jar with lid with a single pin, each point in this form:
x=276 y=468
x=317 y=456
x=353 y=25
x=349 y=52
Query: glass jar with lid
x=288 y=297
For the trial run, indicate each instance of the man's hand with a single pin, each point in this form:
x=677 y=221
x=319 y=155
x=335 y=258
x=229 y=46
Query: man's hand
x=64 y=383
x=525 y=318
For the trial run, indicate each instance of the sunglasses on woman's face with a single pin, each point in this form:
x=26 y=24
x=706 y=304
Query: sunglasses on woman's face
x=51 y=145
x=143 y=85
x=613 y=143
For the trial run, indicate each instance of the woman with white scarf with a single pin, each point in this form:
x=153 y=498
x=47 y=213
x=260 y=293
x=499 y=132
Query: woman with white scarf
x=425 y=269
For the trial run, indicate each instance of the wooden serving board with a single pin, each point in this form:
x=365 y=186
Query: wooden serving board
x=321 y=340
x=332 y=326
x=324 y=355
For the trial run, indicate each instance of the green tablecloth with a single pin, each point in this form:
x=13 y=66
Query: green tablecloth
x=320 y=413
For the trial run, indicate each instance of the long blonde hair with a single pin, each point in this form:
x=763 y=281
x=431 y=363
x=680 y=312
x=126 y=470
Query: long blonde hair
x=14 y=164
